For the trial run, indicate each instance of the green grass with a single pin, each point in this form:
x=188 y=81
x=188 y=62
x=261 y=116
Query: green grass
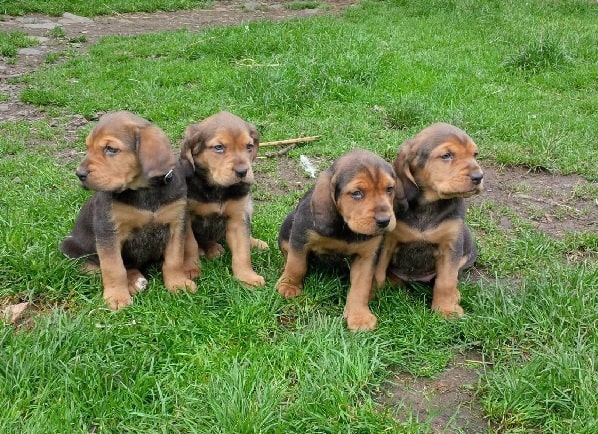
x=10 y=42
x=92 y=8
x=527 y=97
x=520 y=78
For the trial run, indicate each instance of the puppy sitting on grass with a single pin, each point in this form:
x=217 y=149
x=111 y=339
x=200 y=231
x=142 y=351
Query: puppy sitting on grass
x=346 y=214
x=219 y=152
x=431 y=242
x=136 y=217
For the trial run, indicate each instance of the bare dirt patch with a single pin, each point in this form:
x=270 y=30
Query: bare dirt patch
x=554 y=204
x=447 y=402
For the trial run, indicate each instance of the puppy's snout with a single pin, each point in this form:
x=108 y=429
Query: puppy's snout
x=476 y=178
x=382 y=221
x=82 y=174
x=241 y=172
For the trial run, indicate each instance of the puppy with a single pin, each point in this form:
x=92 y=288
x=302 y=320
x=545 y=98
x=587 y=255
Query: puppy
x=136 y=216
x=220 y=150
x=345 y=214
x=437 y=169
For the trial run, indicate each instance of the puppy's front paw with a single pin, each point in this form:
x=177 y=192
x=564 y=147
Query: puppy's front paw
x=117 y=299
x=173 y=284
x=258 y=244
x=251 y=278
x=212 y=250
x=192 y=271
x=449 y=311
x=287 y=288
x=362 y=320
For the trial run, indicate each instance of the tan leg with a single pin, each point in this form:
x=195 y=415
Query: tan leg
x=237 y=237
x=389 y=244
x=136 y=281
x=191 y=253
x=173 y=270
x=445 y=297
x=357 y=312
x=290 y=282
x=114 y=277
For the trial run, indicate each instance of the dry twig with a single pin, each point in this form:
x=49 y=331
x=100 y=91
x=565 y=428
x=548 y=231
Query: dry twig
x=280 y=152
x=290 y=141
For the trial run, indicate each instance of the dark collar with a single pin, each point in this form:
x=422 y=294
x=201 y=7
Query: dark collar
x=163 y=179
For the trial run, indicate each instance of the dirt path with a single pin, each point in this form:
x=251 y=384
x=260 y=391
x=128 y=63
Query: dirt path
x=554 y=204
x=81 y=32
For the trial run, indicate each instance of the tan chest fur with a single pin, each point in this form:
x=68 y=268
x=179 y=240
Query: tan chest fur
x=322 y=245
x=444 y=234
x=128 y=218
x=228 y=208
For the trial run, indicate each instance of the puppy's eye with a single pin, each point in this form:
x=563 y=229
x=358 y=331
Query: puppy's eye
x=475 y=154
x=109 y=150
x=219 y=148
x=447 y=156
x=390 y=190
x=357 y=195
x=250 y=146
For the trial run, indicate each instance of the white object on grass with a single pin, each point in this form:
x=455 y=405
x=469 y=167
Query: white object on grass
x=308 y=166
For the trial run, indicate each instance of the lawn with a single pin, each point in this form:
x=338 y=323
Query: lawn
x=519 y=77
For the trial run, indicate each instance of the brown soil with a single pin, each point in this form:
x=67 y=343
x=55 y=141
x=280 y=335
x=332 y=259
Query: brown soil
x=447 y=402
x=554 y=204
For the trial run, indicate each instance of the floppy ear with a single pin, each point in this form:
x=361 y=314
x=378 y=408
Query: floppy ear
x=323 y=204
x=254 y=134
x=154 y=151
x=189 y=141
x=256 y=139
x=402 y=167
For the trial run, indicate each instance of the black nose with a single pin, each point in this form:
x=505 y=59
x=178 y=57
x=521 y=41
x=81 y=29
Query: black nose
x=476 y=178
x=241 y=172
x=382 y=221
x=82 y=175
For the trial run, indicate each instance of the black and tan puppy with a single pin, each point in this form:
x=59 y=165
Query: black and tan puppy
x=345 y=214
x=136 y=216
x=431 y=241
x=221 y=149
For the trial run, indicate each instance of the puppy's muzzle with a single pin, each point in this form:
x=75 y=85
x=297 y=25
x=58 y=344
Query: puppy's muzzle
x=82 y=174
x=241 y=172
x=382 y=221
x=476 y=178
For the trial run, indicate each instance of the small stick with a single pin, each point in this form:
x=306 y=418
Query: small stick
x=290 y=141
x=282 y=152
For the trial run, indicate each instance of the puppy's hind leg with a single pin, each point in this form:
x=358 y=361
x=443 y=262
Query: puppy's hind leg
x=136 y=281
x=290 y=282
x=212 y=249
x=258 y=244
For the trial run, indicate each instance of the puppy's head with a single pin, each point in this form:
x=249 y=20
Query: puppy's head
x=439 y=163
x=223 y=147
x=360 y=187
x=124 y=152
